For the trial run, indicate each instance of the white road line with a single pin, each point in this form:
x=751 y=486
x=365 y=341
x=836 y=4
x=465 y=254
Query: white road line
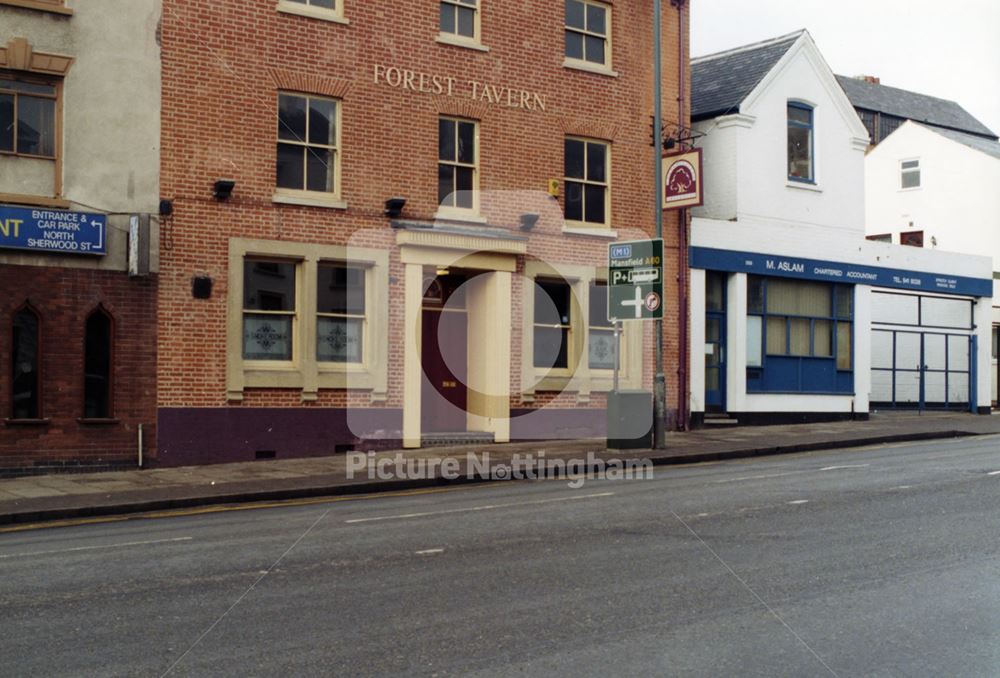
x=764 y=475
x=902 y=487
x=993 y=473
x=488 y=507
x=837 y=468
x=428 y=552
x=95 y=548
x=799 y=501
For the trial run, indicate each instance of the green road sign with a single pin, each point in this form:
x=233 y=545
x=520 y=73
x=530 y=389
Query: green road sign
x=635 y=280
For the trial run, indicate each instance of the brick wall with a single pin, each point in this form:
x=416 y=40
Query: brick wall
x=63 y=298
x=223 y=64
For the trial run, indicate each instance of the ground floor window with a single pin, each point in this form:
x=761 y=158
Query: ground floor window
x=97 y=366
x=307 y=316
x=799 y=336
x=25 y=366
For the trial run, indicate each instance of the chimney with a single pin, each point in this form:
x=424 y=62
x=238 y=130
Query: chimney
x=870 y=79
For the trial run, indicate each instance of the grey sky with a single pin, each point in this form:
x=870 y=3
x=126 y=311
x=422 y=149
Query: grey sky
x=946 y=49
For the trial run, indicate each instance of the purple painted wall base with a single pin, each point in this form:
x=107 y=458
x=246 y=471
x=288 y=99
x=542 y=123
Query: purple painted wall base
x=203 y=435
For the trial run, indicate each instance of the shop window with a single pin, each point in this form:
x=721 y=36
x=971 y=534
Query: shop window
x=269 y=304
x=340 y=311
x=588 y=32
x=27 y=117
x=600 y=331
x=801 y=334
x=800 y=143
x=587 y=180
x=996 y=342
x=912 y=239
x=26 y=402
x=308 y=157
x=909 y=174
x=460 y=19
x=552 y=327
x=97 y=401
x=458 y=165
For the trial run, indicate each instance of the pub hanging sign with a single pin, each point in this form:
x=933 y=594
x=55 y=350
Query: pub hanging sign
x=682 y=180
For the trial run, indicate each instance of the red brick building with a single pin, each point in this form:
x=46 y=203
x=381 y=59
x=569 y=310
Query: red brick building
x=78 y=312
x=305 y=308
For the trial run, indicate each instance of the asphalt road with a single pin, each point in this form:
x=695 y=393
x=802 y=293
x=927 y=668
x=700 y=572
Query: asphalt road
x=882 y=561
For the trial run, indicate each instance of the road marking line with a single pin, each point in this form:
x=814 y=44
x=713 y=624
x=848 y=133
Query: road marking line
x=764 y=475
x=837 y=468
x=487 y=507
x=428 y=552
x=799 y=501
x=224 y=508
x=95 y=548
x=902 y=487
x=993 y=473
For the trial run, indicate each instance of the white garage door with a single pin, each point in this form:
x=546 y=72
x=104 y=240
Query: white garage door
x=921 y=351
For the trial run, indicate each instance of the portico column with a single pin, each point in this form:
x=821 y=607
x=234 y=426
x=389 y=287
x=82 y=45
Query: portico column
x=412 y=366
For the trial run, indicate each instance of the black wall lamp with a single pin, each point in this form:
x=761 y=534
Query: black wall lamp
x=394 y=207
x=528 y=221
x=223 y=189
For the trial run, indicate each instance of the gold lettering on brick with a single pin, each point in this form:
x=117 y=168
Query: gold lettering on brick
x=419 y=82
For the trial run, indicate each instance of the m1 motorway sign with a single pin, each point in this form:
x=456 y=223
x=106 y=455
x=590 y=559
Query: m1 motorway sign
x=635 y=280
x=52 y=231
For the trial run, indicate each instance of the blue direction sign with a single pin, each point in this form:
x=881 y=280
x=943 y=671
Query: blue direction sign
x=54 y=231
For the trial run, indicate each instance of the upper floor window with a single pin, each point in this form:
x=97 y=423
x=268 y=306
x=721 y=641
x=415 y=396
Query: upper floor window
x=329 y=10
x=460 y=18
x=25 y=384
x=800 y=143
x=27 y=117
x=308 y=144
x=588 y=32
x=56 y=6
x=458 y=164
x=586 y=167
x=909 y=174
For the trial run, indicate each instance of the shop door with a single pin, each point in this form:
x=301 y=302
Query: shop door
x=715 y=342
x=444 y=354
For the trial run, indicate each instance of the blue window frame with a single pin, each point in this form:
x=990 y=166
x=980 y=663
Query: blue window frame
x=799 y=336
x=801 y=165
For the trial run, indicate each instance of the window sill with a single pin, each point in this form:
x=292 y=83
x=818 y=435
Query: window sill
x=804 y=185
x=27 y=422
x=911 y=188
x=34 y=200
x=592 y=232
x=455 y=41
x=85 y=421
x=312 y=12
x=40 y=5
x=588 y=67
x=309 y=201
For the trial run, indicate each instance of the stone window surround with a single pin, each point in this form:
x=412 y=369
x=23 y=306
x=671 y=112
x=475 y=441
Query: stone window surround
x=304 y=372
x=582 y=380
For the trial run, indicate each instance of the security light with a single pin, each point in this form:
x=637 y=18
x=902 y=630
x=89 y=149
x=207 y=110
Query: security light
x=223 y=189
x=394 y=207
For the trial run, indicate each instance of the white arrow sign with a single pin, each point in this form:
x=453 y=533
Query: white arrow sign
x=636 y=303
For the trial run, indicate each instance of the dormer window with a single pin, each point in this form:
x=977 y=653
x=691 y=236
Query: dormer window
x=800 y=143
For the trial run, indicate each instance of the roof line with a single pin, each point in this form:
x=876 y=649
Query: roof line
x=745 y=48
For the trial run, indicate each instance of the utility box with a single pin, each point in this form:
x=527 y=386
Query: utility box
x=630 y=420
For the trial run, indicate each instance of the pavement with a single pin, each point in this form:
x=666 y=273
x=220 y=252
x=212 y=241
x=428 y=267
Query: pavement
x=36 y=499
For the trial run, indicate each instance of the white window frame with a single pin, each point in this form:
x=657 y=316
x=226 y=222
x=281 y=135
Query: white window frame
x=589 y=225
x=452 y=211
x=454 y=38
x=605 y=68
x=903 y=171
x=306 y=8
x=293 y=196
